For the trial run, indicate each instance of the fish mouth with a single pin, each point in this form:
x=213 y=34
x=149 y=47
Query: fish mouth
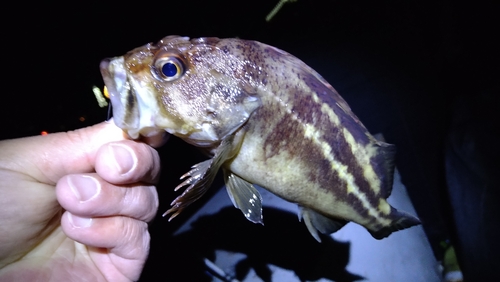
x=115 y=78
x=134 y=106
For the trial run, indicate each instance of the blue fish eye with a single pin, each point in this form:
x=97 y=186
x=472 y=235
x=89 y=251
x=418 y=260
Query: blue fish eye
x=168 y=67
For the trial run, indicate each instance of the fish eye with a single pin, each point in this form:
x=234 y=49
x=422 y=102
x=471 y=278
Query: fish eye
x=168 y=67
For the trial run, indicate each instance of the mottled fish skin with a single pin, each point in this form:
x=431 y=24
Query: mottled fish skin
x=290 y=131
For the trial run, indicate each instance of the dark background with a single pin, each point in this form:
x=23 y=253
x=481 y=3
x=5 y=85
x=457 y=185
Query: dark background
x=423 y=73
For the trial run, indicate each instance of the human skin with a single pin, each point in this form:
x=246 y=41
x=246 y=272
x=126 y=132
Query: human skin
x=74 y=206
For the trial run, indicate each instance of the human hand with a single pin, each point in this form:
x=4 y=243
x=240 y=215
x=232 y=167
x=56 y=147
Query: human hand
x=74 y=206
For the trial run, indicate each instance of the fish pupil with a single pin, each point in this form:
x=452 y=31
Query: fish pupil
x=169 y=69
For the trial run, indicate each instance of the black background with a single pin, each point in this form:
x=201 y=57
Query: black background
x=401 y=65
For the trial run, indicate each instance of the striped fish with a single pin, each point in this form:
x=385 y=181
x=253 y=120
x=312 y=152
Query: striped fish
x=266 y=118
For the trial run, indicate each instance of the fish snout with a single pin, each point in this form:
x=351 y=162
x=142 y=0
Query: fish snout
x=114 y=75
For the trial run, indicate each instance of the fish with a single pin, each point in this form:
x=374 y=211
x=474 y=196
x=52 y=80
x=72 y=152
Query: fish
x=264 y=118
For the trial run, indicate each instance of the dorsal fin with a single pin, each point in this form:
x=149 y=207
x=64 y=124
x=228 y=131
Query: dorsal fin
x=388 y=151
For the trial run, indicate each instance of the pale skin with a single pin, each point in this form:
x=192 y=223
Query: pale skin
x=75 y=206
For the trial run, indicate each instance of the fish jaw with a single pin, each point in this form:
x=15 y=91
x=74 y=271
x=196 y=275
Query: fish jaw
x=135 y=108
x=115 y=79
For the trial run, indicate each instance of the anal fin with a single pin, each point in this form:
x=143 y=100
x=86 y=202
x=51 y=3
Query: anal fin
x=317 y=222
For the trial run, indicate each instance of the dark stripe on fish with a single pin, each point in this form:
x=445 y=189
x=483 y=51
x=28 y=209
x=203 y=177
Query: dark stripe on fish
x=306 y=110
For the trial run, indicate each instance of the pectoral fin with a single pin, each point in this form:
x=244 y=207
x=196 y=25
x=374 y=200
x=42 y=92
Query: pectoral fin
x=317 y=222
x=200 y=177
x=244 y=197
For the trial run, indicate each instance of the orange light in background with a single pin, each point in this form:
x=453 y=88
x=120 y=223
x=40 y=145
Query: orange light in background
x=82 y=119
x=44 y=133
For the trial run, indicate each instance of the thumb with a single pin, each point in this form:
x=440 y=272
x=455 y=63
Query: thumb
x=47 y=158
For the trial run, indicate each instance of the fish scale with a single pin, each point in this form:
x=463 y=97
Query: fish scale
x=320 y=150
x=265 y=118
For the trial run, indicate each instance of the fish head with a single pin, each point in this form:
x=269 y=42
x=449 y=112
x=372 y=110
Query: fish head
x=195 y=89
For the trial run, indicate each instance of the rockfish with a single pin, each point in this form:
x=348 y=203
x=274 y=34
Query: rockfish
x=265 y=118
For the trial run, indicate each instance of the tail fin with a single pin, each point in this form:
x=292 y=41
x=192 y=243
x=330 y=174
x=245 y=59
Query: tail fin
x=401 y=220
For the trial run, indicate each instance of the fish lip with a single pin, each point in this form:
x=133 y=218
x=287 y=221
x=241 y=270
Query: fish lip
x=113 y=71
x=130 y=112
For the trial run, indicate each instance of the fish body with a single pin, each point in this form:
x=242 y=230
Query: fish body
x=266 y=118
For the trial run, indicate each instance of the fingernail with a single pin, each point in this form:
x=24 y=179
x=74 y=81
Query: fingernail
x=124 y=157
x=84 y=187
x=79 y=222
